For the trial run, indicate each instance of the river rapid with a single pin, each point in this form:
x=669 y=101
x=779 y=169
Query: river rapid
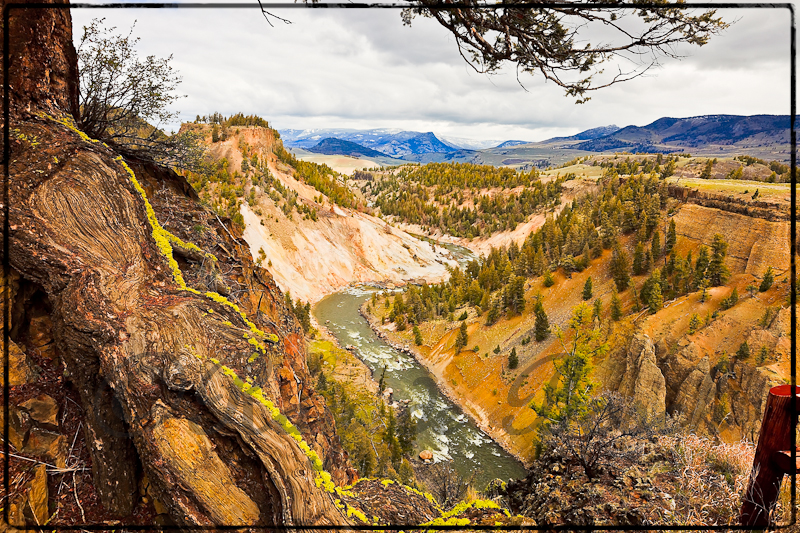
x=442 y=427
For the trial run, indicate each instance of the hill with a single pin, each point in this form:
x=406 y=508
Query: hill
x=332 y=146
x=675 y=134
x=302 y=222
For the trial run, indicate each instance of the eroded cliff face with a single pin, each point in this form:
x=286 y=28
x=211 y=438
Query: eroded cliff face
x=697 y=373
x=724 y=398
x=177 y=383
x=310 y=258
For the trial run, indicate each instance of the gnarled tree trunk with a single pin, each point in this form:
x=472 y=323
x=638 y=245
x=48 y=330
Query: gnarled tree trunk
x=162 y=371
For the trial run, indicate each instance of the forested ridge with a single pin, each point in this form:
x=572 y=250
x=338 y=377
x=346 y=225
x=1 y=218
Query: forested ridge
x=224 y=189
x=627 y=216
x=462 y=199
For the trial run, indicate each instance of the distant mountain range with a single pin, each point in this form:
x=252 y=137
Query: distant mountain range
x=760 y=135
x=675 y=134
x=392 y=143
x=341 y=147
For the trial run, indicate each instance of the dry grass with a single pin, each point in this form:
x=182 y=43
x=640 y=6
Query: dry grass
x=711 y=479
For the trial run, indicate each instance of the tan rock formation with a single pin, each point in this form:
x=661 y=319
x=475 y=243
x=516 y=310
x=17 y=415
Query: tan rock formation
x=642 y=379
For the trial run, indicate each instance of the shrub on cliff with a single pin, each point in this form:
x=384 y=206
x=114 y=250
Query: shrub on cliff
x=125 y=100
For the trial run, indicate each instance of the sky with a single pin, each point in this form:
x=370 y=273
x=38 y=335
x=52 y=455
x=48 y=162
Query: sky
x=363 y=69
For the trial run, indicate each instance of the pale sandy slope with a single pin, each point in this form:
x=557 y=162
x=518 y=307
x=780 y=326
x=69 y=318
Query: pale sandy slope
x=311 y=259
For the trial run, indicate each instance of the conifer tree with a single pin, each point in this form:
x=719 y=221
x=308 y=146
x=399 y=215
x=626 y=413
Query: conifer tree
x=620 y=269
x=548 y=279
x=587 y=288
x=718 y=273
x=706 y=174
x=655 y=248
x=766 y=283
x=542 y=325
x=462 y=339
x=694 y=324
x=743 y=352
x=513 y=360
x=582 y=343
x=597 y=308
x=616 y=306
x=656 y=300
x=586 y=259
x=672 y=238
x=639 y=260
x=701 y=267
x=417 y=336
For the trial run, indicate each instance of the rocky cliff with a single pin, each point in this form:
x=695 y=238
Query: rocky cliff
x=311 y=257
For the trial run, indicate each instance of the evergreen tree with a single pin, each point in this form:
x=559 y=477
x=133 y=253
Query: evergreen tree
x=706 y=174
x=743 y=352
x=462 y=339
x=417 y=335
x=548 y=279
x=701 y=267
x=597 y=308
x=639 y=260
x=655 y=248
x=382 y=380
x=694 y=324
x=494 y=313
x=616 y=306
x=766 y=283
x=586 y=260
x=620 y=269
x=542 y=325
x=656 y=301
x=513 y=360
x=763 y=354
x=569 y=398
x=718 y=273
x=672 y=238
x=406 y=431
x=587 y=288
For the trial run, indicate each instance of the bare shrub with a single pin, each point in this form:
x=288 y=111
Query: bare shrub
x=601 y=433
x=447 y=484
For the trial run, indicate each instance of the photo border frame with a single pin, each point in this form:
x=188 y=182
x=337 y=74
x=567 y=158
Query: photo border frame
x=265 y=7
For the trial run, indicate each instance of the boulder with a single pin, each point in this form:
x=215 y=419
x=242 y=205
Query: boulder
x=37 y=496
x=426 y=455
x=20 y=369
x=49 y=444
x=43 y=409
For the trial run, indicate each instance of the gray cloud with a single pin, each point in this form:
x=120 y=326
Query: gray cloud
x=363 y=68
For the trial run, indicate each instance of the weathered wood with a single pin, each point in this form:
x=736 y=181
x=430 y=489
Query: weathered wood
x=776 y=433
x=784 y=462
x=140 y=349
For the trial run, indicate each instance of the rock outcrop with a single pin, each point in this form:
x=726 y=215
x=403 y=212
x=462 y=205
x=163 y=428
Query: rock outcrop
x=695 y=393
x=642 y=379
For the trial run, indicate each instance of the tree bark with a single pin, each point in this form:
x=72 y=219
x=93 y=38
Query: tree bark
x=153 y=363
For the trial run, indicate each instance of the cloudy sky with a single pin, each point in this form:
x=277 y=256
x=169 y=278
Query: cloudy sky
x=357 y=68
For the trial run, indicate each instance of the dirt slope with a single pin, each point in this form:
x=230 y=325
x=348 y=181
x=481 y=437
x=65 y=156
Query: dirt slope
x=311 y=258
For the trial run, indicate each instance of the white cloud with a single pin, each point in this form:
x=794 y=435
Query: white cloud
x=363 y=69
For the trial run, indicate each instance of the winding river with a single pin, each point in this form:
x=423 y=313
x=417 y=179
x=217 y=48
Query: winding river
x=442 y=426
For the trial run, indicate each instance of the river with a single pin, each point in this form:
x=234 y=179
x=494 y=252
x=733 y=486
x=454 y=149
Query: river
x=442 y=426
